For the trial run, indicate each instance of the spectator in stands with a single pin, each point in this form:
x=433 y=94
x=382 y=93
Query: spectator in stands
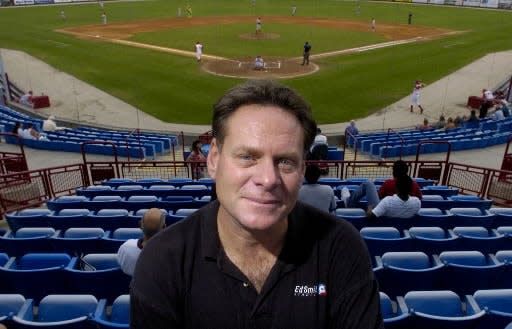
x=388 y=188
x=50 y=124
x=317 y=195
x=241 y=256
x=198 y=160
x=472 y=117
x=450 y=124
x=26 y=99
x=351 y=128
x=488 y=102
x=458 y=121
x=498 y=113
x=400 y=205
x=30 y=132
x=441 y=123
x=152 y=222
x=425 y=125
x=319 y=139
x=259 y=63
x=505 y=108
x=17 y=130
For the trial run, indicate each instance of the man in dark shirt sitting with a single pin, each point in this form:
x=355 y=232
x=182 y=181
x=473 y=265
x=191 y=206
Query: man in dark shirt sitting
x=257 y=258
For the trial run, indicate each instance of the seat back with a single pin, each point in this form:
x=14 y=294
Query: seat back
x=112 y=212
x=54 y=308
x=471 y=231
x=121 y=309
x=380 y=232
x=4 y=258
x=84 y=232
x=505 y=230
x=494 y=300
x=34 y=232
x=467 y=258
x=386 y=307
x=411 y=260
x=74 y=212
x=125 y=233
x=433 y=232
x=10 y=304
x=504 y=256
x=184 y=212
x=102 y=261
x=440 y=303
x=35 y=261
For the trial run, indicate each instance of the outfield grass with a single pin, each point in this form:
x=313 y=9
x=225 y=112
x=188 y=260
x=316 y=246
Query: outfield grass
x=172 y=88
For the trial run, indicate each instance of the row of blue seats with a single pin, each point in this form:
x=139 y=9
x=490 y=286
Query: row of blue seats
x=492 y=218
x=148 y=182
x=110 y=132
x=433 y=240
x=108 y=219
x=74 y=240
x=158 y=190
x=36 y=275
x=445 y=309
x=416 y=309
x=461 y=271
x=70 y=311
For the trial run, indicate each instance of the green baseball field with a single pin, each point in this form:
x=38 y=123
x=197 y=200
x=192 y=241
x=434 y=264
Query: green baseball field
x=144 y=55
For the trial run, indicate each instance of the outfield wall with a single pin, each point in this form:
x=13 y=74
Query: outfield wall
x=502 y=4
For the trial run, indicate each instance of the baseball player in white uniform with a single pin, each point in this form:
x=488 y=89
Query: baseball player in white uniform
x=199 y=51
x=415 y=97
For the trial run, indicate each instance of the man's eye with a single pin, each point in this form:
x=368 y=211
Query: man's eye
x=287 y=164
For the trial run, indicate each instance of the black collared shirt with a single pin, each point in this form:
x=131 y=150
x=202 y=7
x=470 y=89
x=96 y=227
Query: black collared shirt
x=322 y=279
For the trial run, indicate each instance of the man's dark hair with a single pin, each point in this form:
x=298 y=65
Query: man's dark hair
x=312 y=174
x=262 y=92
x=400 y=168
x=403 y=187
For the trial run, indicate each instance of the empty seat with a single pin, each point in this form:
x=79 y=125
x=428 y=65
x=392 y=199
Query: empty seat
x=392 y=318
x=114 y=182
x=111 y=219
x=94 y=190
x=479 y=238
x=118 y=317
x=434 y=217
x=67 y=202
x=401 y=271
x=470 y=201
x=66 y=218
x=26 y=240
x=472 y=217
x=503 y=216
x=126 y=233
x=356 y=216
x=432 y=240
x=99 y=275
x=104 y=202
x=436 y=201
x=439 y=309
x=136 y=202
x=383 y=239
x=468 y=271
x=79 y=240
x=60 y=311
x=184 y=212
x=27 y=218
x=497 y=305
x=10 y=305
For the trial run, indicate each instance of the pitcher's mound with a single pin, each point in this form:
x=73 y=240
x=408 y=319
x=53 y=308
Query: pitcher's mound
x=257 y=36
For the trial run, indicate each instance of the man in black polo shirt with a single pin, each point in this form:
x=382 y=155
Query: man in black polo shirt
x=257 y=258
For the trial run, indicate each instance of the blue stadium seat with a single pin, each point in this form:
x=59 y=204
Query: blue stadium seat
x=479 y=238
x=94 y=190
x=115 y=182
x=436 y=201
x=104 y=202
x=10 y=305
x=330 y=181
x=504 y=257
x=79 y=240
x=439 y=309
x=111 y=219
x=67 y=202
x=36 y=275
x=60 y=311
x=432 y=240
x=383 y=239
x=119 y=315
x=356 y=216
x=136 y=202
x=497 y=305
x=178 y=182
x=472 y=217
x=66 y=218
x=26 y=240
x=470 y=201
x=129 y=190
x=185 y=212
x=118 y=237
x=442 y=190
x=503 y=216
x=434 y=217
x=468 y=271
x=99 y=275
x=27 y=218
x=393 y=319
x=402 y=271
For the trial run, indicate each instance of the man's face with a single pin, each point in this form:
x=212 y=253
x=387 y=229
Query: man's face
x=260 y=167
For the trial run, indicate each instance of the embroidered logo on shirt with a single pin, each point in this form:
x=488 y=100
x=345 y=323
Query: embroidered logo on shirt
x=309 y=291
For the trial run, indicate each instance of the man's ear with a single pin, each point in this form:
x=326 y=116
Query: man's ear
x=213 y=158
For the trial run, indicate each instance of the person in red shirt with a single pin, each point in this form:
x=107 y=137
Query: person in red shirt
x=388 y=188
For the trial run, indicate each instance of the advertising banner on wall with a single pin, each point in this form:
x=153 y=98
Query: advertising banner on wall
x=489 y=3
x=62 y=1
x=45 y=2
x=420 y=1
x=23 y=2
x=471 y=3
x=507 y=4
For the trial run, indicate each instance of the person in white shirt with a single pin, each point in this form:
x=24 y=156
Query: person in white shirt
x=319 y=139
x=151 y=223
x=199 y=51
x=26 y=99
x=50 y=124
x=259 y=63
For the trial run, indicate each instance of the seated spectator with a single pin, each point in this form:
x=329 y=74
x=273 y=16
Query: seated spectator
x=259 y=63
x=441 y=123
x=450 y=124
x=50 y=124
x=319 y=139
x=498 y=113
x=472 y=117
x=425 y=125
x=388 y=188
x=352 y=129
x=151 y=223
x=400 y=205
x=458 y=121
x=32 y=133
x=505 y=108
x=317 y=195
x=198 y=158
x=26 y=99
x=17 y=130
